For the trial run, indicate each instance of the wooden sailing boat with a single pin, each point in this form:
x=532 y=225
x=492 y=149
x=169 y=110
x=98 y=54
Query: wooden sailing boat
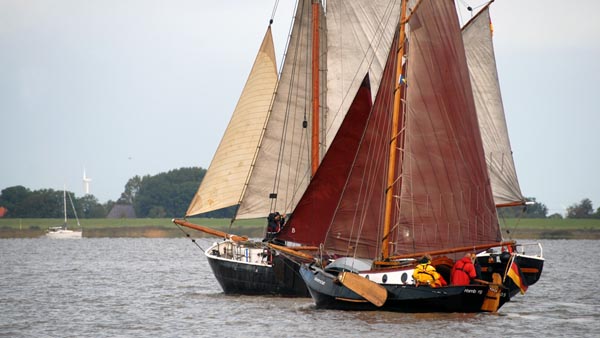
x=63 y=232
x=418 y=183
x=274 y=142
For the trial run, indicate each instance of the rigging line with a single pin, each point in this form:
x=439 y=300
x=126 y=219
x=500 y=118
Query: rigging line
x=289 y=96
x=289 y=37
x=74 y=211
x=299 y=176
x=188 y=236
x=274 y=10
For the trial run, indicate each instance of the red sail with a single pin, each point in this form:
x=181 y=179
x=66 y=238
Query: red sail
x=446 y=198
x=318 y=204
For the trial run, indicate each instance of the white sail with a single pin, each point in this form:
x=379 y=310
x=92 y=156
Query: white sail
x=359 y=35
x=477 y=37
x=223 y=183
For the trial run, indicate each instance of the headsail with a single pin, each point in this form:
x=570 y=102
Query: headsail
x=315 y=210
x=477 y=37
x=223 y=183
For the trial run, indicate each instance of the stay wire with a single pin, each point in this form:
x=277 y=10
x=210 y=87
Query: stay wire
x=274 y=10
x=190 y=237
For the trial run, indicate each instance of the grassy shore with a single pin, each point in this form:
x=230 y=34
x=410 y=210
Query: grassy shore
x=163 y=227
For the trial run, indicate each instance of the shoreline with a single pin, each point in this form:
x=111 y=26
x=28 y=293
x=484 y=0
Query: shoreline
x=152 y=231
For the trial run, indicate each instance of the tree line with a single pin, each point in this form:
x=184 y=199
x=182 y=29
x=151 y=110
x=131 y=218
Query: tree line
x=169 y=194
x=154 y=196
x=535 y=209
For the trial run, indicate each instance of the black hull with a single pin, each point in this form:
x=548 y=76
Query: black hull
x=328 y=294
x=282 y=278
x=531 y=268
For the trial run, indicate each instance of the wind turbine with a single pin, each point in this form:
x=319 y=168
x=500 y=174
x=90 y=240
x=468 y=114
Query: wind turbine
x=86 y=183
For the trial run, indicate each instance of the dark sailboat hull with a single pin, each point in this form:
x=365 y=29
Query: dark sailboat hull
x=329 y=294
x=280 y=277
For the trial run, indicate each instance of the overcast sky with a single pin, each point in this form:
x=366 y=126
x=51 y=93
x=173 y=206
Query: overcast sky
x=136 y=87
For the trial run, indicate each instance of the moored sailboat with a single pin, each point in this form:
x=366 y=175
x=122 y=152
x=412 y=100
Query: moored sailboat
x=63 y=232
x=419 y=184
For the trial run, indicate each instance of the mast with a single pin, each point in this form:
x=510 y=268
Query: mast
x=65 y=205
x=315 y=88
x=392 y=165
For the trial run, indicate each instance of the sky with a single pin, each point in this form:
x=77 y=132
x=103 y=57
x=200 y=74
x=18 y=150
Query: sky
x=139 y=87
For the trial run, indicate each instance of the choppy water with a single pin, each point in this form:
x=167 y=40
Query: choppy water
x=164 y=288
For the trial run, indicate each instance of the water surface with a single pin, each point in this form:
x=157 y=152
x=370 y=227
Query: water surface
x=118 y=287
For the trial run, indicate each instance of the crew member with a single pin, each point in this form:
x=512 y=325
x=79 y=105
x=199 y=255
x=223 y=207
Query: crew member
x=463 y=272
x=425 y=274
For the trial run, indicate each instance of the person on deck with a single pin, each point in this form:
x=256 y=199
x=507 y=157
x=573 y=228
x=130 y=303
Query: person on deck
x=425 y=274
x=463 y=272
x=275 y=223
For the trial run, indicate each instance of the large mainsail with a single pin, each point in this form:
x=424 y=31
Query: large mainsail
x=445 y=197
x=477 y=37
x=223 y=183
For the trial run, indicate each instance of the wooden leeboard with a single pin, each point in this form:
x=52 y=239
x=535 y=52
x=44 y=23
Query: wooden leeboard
x=492 y=298
x=371 y=291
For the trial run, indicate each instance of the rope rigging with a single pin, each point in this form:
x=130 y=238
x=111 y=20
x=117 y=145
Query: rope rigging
x=188 y=236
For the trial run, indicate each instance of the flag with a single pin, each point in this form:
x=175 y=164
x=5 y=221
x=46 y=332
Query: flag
x=516 y=275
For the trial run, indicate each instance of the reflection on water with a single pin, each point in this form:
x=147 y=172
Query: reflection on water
x=164 y=287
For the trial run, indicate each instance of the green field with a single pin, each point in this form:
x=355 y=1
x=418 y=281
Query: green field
x=551 y=224
x=100 y=223
x=527 y=228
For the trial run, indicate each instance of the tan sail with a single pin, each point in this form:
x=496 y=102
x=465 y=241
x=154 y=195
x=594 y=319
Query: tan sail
x=477 y=37
x=223 y=183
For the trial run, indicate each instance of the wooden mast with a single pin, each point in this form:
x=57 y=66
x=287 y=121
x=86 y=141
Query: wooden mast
x=315 y=87
x=392 y=165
